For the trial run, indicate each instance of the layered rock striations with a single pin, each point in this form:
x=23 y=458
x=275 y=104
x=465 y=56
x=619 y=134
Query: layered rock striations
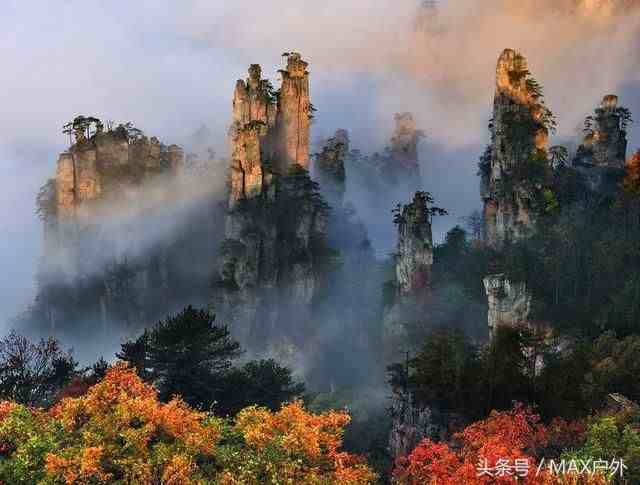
x=600 y=159
x=519 y=133
x=276 y=220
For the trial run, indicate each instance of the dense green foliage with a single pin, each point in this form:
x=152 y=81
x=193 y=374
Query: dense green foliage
x=189 y=355
x=575 y=380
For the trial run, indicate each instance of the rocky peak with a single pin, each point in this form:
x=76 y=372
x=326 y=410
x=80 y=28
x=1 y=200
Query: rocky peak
x=605 y=141
x=105 y=164
x=519 y=133
x=294 y=115
x=253 y=100
x=269 y=128
x=511 y=76
x=276 y=218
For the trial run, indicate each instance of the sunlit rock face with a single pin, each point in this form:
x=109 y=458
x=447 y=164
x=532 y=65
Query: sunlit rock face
x=519 y=134
x=509 y=303
x=294 y=115
x=601 y=157
x=104 y=256
x=275 y=224
x=517 y=131
x=100 y=176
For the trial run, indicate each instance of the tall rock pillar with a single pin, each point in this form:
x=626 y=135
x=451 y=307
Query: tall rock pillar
x=412 y=284
x=601 y=157
x=294 y=115
x=519 y=134
x=276 y=219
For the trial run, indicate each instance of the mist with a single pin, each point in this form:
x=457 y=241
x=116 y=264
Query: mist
x=171 y=66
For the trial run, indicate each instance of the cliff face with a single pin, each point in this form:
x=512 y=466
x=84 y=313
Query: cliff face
x=276 y=220
x=601 y=157
x=98 y=175
x=518 y=132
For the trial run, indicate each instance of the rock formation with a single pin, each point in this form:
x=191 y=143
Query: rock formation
x=102 y=172
x=108 y=259
x=295 y=113
x=601 y=157
x=519 y=132
x=415 y=247
x=413 y=261
x=329 y=164
x=276 y=219
x=509 y=303
x=411 y=423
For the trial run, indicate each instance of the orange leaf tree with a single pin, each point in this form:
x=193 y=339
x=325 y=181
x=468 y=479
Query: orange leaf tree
x=119 y=432
x=505 y=448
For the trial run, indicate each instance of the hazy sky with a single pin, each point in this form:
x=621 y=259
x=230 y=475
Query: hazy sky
x=170 y=66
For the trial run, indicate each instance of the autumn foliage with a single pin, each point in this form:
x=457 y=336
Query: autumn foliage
x=510 y=438
x=119 y=432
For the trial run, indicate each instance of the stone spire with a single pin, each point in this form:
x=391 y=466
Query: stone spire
x=518 y=132
x=268 y=127
x=294 y=115
x=605 y=141
x=415 y=247
x=253 y=100
x=268 y=259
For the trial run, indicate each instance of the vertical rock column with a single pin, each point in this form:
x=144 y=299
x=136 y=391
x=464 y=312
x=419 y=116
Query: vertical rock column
x=414 y=259
x=294 y=115
x=254 y=114
x=601 y=157
x=518 y=133
x=415 y=248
